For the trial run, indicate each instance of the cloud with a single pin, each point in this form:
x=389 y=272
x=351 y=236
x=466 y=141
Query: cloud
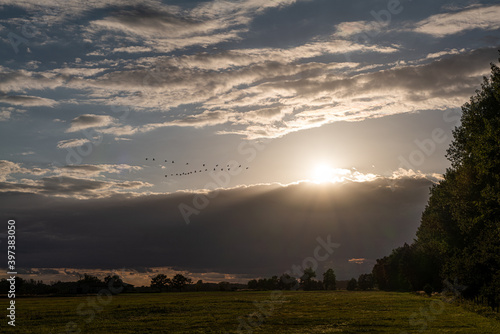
x=457 y=20
x=4 y=115
x=138 y=276
x=167 y=28
x=72 y=143
x=256 y=230
x=132 y=49
x=203 y=119
x=444 y=53
x=90 y=121
x=441 y=25
x=127 y=130
x=341 y=175
x=352 y=28
x=329 y=45
x=78 y=71
x=27 y=153
x=310 y=94
x=256 y=85
x=148 y=21
x=7 y=168
x=28 y=101
x=21 y=80
x=95 y=170
x=71 y=187
x=76 y=181
x=265 y=92
x=410 y=173
x=357 y=261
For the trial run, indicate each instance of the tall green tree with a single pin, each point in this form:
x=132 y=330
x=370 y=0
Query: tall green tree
x=460 y=229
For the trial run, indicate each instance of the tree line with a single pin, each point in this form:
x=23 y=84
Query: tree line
x=459 y=236
x=287 y=282
x=87 y=284
x=307 y=282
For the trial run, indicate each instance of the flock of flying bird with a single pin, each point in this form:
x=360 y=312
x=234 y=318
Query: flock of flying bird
x=203 y=168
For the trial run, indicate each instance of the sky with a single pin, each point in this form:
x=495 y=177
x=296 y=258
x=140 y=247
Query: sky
x=223 y=139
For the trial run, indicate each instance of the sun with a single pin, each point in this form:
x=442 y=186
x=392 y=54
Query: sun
x=322 y=173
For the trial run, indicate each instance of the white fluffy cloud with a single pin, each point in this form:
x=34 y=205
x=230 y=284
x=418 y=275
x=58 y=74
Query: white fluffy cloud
x=440 y=25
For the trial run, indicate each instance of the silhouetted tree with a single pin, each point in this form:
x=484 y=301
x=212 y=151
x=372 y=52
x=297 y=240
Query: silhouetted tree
x=287 y=282
x=224 y=286
x=160 y=282
x=366 y=282
x=89 y=284
x=199 y=286
x=306 y=280
x=114 y=283
x=329 y=280
x=179 y=281
x=252 y=284
x=352 y=285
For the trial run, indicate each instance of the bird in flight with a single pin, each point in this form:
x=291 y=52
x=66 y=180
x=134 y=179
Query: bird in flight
x=228 y=168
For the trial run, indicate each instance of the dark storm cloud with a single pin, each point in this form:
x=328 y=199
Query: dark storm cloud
x=259 y=230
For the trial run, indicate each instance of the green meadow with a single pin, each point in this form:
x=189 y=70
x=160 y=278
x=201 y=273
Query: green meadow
x=248 y=312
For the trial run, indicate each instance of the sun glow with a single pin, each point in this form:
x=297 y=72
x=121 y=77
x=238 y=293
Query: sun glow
x=323 y=173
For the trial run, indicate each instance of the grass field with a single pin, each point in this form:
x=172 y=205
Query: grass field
x=247 y=312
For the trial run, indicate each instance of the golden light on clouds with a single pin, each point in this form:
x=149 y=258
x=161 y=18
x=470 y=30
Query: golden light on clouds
x=323 y=173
